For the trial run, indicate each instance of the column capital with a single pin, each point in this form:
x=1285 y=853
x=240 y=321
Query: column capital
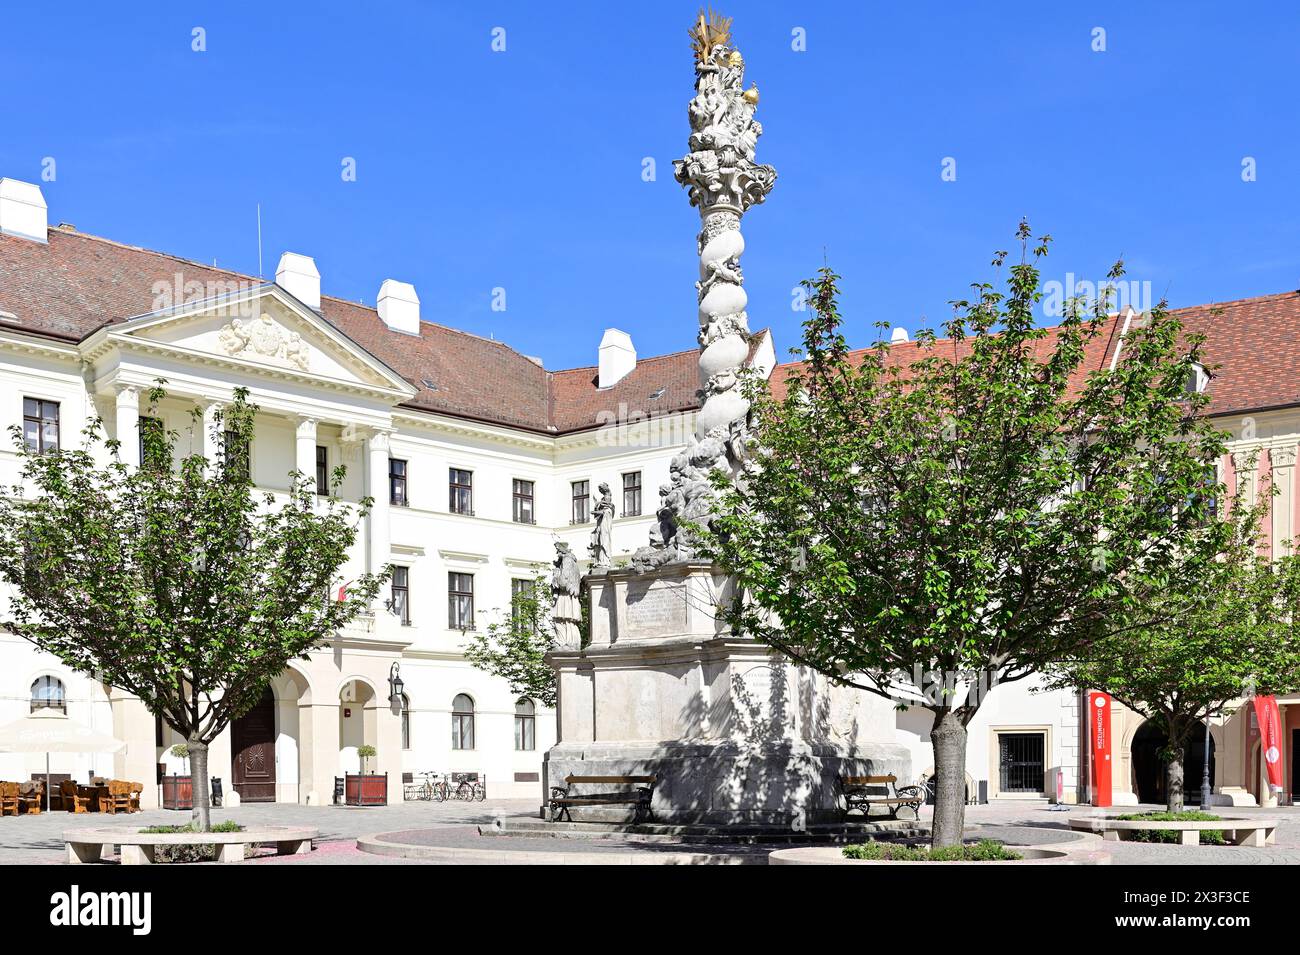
x=379 y=439
x=307 y=426
x=127 y=395
x=1282 y=457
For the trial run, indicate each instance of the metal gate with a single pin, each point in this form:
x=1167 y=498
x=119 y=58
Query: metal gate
x=1020 y=762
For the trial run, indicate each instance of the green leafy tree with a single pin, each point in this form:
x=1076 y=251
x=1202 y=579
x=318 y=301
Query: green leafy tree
x=514 y=646
x=1221 y=624
x=176 y=581
x=927 y=520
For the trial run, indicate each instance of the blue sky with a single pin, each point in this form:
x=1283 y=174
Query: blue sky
x=523 y=169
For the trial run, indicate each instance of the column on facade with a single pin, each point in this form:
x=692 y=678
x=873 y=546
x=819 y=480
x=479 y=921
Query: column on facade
x=1283 y=464
x=209 y=442
x=305 y=458
x=377 y=490
x=128 y=424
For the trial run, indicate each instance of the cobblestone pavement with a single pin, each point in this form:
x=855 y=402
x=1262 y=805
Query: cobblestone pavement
x=37 y=839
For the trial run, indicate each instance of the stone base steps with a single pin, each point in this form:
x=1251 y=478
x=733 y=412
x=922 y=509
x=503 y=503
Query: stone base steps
x=701 y=834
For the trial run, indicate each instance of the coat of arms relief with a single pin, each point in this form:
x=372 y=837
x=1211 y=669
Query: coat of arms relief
x=264 y=338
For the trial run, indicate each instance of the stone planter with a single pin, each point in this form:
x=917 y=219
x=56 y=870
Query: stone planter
x=832 y=855
x=366 y=789
x=1242 y=831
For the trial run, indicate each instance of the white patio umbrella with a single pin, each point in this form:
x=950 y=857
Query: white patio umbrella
x=49 y=731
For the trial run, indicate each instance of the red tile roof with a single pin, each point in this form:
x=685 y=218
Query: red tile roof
x=78 y=283
x=1252 y=350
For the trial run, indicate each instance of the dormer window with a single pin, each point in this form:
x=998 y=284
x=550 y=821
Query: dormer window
x=1197 y=379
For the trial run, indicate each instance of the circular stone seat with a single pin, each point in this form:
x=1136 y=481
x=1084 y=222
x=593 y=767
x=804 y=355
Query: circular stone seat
x=137 y=848
x=1243 y=831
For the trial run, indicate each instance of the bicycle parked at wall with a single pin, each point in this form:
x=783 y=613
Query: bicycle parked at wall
x=468 y=787
x=432 y=788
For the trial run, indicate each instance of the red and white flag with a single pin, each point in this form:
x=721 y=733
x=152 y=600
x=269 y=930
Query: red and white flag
x=1270 y=739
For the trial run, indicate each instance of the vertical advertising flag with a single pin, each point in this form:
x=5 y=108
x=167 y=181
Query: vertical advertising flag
x=1270 y=739
x=1099 y=736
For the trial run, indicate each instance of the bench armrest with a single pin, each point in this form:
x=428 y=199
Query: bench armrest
x=559 y=792
x=911 y=792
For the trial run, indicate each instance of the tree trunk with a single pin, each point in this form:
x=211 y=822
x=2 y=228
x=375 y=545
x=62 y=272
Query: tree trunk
x=201 y=814
x=1174 y=779
x=949 y=738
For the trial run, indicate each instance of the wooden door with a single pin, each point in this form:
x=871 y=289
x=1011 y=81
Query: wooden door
x=252 y=747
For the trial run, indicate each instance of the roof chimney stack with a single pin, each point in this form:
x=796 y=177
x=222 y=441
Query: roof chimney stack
x=23 y=211
x=898 y=335
x=399 y=306
x=297 y=275
x=617 y=357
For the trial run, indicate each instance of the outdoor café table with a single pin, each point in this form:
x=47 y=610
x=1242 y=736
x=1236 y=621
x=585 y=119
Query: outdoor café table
x=93 y=793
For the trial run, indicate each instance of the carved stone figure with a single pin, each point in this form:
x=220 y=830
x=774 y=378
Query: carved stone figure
x=264 y=338
x=566 y=585
x=601 y=547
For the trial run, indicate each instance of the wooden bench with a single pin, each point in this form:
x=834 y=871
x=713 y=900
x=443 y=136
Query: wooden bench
x=562 y=799
x=138 y=848
x=863 y=792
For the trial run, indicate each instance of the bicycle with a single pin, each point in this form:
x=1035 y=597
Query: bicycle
x=470 y=787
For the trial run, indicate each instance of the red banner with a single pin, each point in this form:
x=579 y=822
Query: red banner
x=1099 y=736
x=1270 y=739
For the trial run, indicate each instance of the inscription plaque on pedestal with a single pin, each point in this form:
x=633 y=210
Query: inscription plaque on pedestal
x=655 y=608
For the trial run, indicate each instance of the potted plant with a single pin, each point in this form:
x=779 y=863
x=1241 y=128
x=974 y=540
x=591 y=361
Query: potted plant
x=366 y=789
x=177 y=790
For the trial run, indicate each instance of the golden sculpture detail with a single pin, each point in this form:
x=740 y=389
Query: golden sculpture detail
x=751 y=96
x=710 y=32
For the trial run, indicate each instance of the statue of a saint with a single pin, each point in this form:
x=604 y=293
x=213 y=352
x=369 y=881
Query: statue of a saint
x=601 y=547
x=566 y=584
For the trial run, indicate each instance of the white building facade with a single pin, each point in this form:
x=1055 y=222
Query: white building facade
x=478 y=460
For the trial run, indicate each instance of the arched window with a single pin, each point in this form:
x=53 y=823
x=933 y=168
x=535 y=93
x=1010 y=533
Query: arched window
x=462 y=722
x=525 y=724
x=406 y=721
x=47 y=693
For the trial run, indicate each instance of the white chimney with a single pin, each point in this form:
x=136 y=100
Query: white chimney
x=399 y=306
x=898 y=335
x=22 y=210
x=617 y=357
x=297 y=275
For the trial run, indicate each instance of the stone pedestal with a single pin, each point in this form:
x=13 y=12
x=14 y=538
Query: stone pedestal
x=733 y=731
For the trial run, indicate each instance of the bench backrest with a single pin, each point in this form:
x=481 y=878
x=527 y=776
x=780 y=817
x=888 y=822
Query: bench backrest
x=610 y=780
x=868 y=780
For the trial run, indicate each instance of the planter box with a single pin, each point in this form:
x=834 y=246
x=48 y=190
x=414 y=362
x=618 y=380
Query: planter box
x=178 y=792
x=369 y=789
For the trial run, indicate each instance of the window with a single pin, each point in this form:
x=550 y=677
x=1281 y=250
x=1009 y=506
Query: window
x=525 y=725
x=47 y=693
x=236 y=452
x=401 y=602
x=462 y=722
x=460 y=601
x=322 y=470
x=406 y=721
x=521 y=589
x=581 y=495
x=462 y=492
x=1197 y=379
x=632 y=494
x=1020 y=762
x=41 y=424
x=523 y=494
x=397 y=482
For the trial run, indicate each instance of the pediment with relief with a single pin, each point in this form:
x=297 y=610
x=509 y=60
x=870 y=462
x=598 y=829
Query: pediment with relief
x=266 y=339
x=264 y=330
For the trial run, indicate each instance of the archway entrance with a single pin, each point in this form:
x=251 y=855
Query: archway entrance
x=252 y=751
x=358 y=723
x=1149 y=779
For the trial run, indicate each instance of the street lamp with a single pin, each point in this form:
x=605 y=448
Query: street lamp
x=395 y=685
